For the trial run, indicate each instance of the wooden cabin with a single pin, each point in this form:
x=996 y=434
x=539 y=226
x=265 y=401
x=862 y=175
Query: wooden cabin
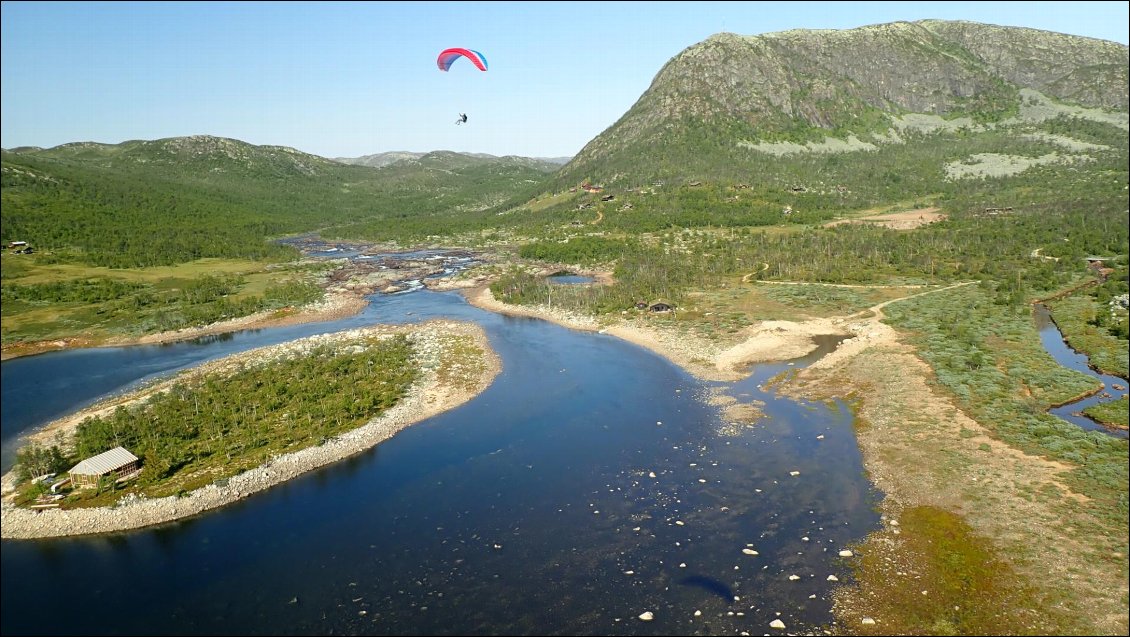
x=116 y=464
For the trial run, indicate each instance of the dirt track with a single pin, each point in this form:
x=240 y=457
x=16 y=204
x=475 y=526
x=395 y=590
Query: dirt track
x=907 y=220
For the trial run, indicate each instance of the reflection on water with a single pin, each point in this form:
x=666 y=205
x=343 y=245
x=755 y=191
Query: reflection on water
x=217 y=338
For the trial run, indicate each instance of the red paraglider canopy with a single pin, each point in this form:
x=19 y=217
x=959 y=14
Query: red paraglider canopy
x=448 y=56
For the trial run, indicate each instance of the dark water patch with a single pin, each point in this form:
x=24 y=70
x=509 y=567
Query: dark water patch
x=710 y=585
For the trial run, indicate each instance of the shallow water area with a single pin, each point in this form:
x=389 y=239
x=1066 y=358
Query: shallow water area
x=569 y=279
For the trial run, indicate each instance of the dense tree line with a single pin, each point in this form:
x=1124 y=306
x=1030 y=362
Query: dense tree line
x=965 y=247
x=72 y=291
x=33 y=461
x=582 y=249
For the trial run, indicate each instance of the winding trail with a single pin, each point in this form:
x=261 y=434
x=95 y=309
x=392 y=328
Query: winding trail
x=878 y=308
x=764 y=267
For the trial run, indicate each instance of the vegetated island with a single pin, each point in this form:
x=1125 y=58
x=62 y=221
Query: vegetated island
x=356 y=389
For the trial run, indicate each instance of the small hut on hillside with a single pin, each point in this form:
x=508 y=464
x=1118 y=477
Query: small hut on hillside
x=116 y=463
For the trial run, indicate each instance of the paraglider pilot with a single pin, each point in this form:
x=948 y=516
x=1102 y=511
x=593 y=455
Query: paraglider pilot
x=462 y=119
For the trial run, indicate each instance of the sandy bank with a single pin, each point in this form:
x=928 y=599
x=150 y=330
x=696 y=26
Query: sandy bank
x=705 y=359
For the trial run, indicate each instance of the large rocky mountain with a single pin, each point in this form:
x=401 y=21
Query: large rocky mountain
x=730 y=96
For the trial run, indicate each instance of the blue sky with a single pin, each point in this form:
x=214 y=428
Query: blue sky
x=355 y=78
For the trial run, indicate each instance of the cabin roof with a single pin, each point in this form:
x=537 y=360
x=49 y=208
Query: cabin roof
x=104 y=462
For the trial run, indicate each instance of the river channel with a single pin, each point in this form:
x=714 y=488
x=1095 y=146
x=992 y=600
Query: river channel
x=591 y=483
x=1114 y=388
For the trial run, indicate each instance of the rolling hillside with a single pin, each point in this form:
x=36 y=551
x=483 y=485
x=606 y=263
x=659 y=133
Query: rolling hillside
x=172 y=200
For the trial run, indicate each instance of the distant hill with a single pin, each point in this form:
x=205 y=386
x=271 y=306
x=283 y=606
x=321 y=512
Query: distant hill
x=151 y=202
x=380 y=160
x=188 y=155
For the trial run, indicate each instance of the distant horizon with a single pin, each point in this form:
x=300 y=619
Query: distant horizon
x=447 y=150
x=383 y=152
x=349 y=79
